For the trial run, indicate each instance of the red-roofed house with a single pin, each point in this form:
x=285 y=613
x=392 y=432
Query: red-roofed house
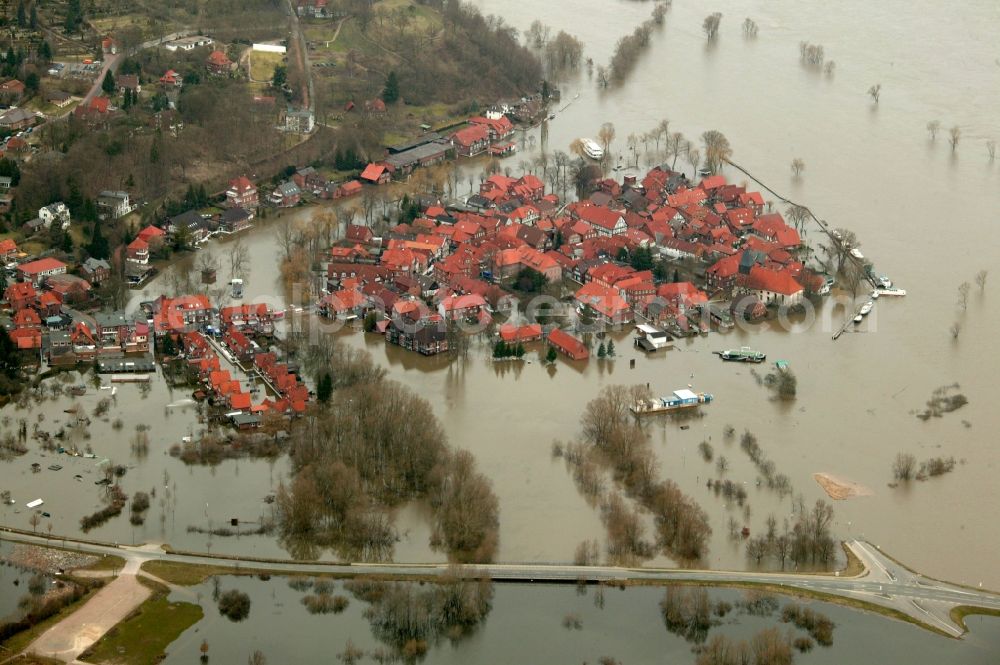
x=723 y=273
x=772 y=227
x=356 y=233
x=568 y=345
x=219 y=63
x=20 y=295
x=514 y=334
x=242 y=194
x=8 y=250
x=499 y=129
x=472 y=140
x=137 y=251
x=774 y=286
x=605 y=222
x=467 y=306
x=377 y=174
x=682 y=295
x=607 y=302
x=37 y=271
x=172 y=78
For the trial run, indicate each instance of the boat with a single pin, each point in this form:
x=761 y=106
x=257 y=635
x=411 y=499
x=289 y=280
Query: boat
x=78 y=390
x=866 y=308
x=592 y=149
x=679 y=400
x=883 y=282
x=744 y=354
x=874 y=295
x=891 y=292
x=858 y=318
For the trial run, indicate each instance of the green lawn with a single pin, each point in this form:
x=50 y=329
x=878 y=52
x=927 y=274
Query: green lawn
x=143 y=638
x=182 y=574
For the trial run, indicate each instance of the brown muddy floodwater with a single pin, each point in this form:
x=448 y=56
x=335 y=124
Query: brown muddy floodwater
x=925 y=215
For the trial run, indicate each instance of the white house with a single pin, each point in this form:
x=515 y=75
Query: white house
x=114 y=204
x=55 y=212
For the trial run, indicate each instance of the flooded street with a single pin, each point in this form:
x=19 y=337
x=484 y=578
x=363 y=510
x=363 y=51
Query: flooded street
x=525 y=626
x=925 y=216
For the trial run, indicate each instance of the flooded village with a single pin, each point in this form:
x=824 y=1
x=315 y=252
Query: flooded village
x=596 y=326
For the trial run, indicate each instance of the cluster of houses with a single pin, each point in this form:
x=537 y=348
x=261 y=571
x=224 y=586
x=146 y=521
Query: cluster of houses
x=462 y=262
x=185 y=318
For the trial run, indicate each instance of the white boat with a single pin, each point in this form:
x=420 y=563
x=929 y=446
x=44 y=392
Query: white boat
x=856 y=253
x=858 y=318
x=866 y=308
x=34 y=504
x=892 y=292
x=874 y=294
x=592 y=149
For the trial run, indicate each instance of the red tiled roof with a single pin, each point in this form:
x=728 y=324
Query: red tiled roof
x=373 y=172
x=41 y=265
x=568 y=344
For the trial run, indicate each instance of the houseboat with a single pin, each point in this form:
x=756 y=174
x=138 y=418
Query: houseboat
x=679 y=400
x=592 y=149
x=891 y=292
x=744 y=354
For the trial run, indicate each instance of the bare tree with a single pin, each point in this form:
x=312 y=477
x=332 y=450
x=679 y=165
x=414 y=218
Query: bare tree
x=694 y=158
x=932 y=127
x=711 y=25
x=717 y=149
x=239 y=258
x=991 y=149
x=875 y=92
x=955 y=329
x=603 y=76
x=954 y=134
x=963 y=295
x=749 y=28
x=798 y=166
x=606 y=134
x=981 y=279
x=829 y=67
x=34 y=521
x=757 y=548
x=257 y=658
x=903 y=466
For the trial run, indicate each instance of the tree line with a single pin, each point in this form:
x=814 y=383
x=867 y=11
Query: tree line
x=614 y=440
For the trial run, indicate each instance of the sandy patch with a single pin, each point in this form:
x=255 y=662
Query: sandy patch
x=839 y=488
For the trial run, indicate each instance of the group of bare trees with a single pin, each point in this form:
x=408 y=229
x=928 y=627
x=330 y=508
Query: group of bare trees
x=375 y=445
x=750 y=28
x=615 y=440
x=410 y=618
x=711 y=25
x=629 y=48
x=963 y=299
x=955 y=136
x=814 y=57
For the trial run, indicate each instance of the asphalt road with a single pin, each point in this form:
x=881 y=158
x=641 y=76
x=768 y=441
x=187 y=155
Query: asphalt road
x=884 y=582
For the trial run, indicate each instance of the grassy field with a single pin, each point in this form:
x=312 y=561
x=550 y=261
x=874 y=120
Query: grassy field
x=183 y=574
x=142 y=638
x=107 y=562
x=263 y=64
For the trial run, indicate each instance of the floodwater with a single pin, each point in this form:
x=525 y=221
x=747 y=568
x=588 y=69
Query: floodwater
x=924 y=215
x=525 y=626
